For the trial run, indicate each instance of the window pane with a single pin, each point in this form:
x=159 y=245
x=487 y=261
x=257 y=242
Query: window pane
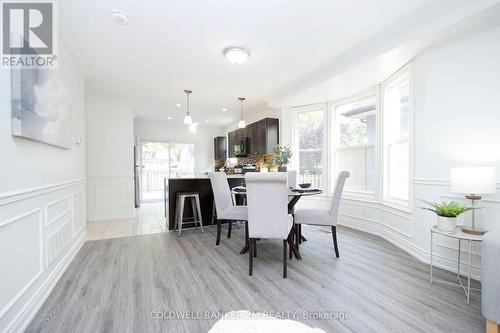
x=398 y=170
x=181 y=160
x=310 y=129
x=356 y=136
x=396 y=133
x=311 y=167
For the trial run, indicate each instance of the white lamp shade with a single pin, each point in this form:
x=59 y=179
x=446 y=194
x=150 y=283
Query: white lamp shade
x=473 y=180
x=188 y=120
x=242 y=124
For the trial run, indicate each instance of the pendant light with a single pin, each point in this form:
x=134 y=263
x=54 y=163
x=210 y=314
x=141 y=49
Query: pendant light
x=187 y=119
x=241 y=124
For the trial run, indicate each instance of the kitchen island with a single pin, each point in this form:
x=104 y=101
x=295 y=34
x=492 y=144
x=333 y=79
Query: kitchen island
x=202 y=186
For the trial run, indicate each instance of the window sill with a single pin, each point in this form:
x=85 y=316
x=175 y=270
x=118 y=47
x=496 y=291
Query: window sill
x=396 y=206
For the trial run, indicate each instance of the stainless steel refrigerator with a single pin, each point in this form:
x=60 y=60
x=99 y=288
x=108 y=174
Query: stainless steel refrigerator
x=137 y=178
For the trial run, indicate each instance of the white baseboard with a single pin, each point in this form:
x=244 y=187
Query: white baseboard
x=423 y=255
x=30 y=309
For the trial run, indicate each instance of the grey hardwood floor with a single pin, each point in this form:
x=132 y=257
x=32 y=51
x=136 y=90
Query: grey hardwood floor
x=113 y=285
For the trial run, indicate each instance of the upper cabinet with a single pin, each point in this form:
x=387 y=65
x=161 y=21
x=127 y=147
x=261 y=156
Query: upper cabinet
x=220 y=148
x=262 y=137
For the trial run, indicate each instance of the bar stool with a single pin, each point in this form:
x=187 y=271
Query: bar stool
x=179 y=211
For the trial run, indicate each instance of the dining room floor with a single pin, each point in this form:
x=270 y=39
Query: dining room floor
x=149 y=219
x=125 y=284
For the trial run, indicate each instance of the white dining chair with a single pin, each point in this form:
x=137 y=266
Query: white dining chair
x=268 y=218
x=323 y=217
x=226 y=210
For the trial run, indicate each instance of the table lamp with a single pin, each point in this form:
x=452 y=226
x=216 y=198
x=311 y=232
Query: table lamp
x=473 y=181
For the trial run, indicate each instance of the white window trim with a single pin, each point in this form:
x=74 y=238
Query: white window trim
x=350 y=194
x=395 y=203
x=325 y=151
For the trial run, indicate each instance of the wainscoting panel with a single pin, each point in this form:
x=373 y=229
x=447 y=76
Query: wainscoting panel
x=41 y=230
x=56 y=209
x=21 y=256
x=79 y=209
x=111 y=197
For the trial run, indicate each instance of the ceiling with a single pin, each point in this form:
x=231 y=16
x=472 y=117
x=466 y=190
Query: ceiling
x=169 y=46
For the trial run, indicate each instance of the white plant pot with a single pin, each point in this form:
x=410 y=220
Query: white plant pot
x=447 y=224
x=264 y=169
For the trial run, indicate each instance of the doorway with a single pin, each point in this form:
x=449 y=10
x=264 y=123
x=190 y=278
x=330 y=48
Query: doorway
x=163 y=160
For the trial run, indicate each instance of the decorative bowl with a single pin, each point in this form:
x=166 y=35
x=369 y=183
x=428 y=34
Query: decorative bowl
x=305 y=185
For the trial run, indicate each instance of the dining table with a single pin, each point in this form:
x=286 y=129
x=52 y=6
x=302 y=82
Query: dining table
x=295 y=194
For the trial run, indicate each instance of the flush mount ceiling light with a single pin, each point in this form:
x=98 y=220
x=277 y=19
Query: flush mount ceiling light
x=224 y=109
x=119 y=17
x=178 y=105
x=236 y=55
x=187 y=118
x=241 y=124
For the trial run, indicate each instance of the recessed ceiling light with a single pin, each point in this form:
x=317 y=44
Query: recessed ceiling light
x=178 y=105
x=206 y=121
x=119 y=17
x=236 y=55
x=169 y=118
x=224 y=109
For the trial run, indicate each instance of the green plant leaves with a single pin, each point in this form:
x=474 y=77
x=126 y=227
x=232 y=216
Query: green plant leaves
x=446 y=209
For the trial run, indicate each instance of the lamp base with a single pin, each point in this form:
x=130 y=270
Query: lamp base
x=473 y=231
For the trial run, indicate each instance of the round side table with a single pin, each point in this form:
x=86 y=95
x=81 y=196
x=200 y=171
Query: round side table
x=460 y=236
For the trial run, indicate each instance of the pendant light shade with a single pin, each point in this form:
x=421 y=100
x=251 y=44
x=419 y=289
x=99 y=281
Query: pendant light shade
x=241 y=123
x=187 y=118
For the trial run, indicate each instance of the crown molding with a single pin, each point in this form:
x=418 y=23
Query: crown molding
x=436 y=17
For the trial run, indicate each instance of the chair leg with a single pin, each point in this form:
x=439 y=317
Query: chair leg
x=250 y=257
x=181 y=216
x=198 y=212
x=334 y=235
x=255 y=248
x=218 y=232
x=300 y=233
x=290 y=239
x=297 y=236
x=284 y=258
x=229 y=228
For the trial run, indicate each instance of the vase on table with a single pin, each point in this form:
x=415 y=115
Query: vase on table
x=447 y=224
x=282 y=169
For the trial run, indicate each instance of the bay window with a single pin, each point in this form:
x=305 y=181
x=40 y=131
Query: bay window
x=368 y=135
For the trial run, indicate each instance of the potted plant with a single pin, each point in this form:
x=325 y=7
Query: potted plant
x=447 y=213
x=282 y=155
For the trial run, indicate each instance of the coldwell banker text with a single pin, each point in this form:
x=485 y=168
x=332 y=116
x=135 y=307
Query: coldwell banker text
x=29 y=34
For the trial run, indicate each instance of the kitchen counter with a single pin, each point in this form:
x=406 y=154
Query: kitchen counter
x=202 y=186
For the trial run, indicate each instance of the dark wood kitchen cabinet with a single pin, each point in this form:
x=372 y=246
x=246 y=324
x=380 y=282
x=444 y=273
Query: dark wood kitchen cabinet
x=231 y=138
x=262 y=135
x=220 y=148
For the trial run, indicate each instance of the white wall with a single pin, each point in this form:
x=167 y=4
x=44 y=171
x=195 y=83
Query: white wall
x=42 y=205
x=165 y=131
x=110 y=159
x=456 y=123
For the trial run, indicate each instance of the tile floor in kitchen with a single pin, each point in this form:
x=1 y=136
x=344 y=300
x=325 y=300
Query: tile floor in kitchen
x=149 y=219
